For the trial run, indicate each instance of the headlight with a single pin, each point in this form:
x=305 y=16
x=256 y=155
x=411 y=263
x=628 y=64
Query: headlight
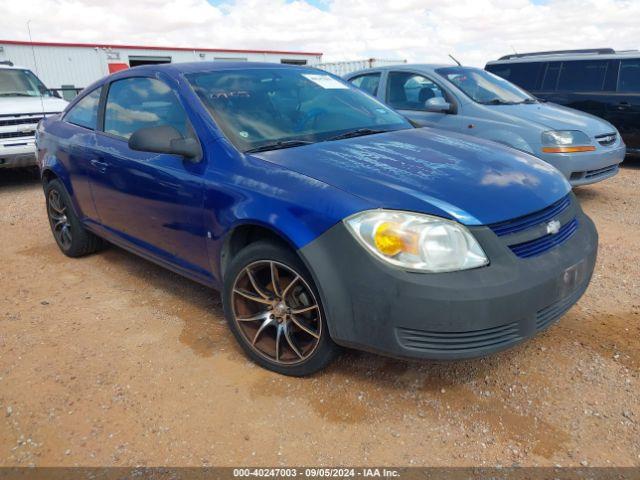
x=566 y=141
x=418 y=242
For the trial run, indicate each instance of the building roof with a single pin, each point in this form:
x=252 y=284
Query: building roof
x=151 y=47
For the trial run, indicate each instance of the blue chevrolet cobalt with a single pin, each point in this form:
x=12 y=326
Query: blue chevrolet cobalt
x=324 y=217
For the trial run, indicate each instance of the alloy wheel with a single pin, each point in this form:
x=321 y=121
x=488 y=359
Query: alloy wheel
x=60 y=224
x=276 y=312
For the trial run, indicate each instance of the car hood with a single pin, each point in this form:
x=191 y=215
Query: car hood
x=550 y=116
x=471 y=180
x=21 y=105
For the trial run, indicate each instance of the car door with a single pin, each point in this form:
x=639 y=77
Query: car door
x=151 y=202
x=623 y=108
x=578 y=84
x=76 y=148
x=409 y=92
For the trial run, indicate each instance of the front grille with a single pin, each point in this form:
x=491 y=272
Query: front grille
x=452 y=342
x=601 y=171
x=531 y=220
x=551 y=313
x=19 y=121
x=607 y=139
x=540 y=245
x=17 y=134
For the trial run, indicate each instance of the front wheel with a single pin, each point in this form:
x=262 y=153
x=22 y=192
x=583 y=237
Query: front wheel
x=275 y=312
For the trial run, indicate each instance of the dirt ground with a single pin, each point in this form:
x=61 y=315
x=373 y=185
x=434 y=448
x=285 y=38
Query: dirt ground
x=111 y=360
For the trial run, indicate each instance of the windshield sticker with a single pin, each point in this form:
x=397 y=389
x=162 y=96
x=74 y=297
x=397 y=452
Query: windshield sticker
x=325 y=81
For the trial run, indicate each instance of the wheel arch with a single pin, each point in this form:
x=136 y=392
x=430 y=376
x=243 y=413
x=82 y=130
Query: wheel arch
x=246 y=233
x=47 y=176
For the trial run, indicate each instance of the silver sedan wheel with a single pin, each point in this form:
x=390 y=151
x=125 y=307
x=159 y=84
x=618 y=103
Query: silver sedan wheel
x=276 y=312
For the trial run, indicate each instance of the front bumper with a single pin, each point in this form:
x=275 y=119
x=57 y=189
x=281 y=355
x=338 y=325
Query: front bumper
x=20 y=152
x=375 y=307
x=584 y=168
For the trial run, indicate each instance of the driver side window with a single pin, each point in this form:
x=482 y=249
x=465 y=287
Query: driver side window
x=410 y=91
x=139 y=102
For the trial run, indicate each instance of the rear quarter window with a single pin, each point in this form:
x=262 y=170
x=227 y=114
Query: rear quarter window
x=85 y=112
x=368 y=82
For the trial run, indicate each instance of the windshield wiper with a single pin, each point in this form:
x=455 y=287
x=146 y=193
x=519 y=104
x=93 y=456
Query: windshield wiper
x=497 y=101
x=278 y=145
x=358 y=132
x=16 y=94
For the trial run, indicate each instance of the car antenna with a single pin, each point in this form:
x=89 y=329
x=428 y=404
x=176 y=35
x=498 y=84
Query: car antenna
x=455 y=60
x=35 y=62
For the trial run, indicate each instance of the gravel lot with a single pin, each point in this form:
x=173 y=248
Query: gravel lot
x=111 y=360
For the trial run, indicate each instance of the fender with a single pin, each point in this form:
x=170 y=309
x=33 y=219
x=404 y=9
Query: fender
x=247 y=192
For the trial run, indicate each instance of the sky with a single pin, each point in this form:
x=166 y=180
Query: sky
x=474 y=31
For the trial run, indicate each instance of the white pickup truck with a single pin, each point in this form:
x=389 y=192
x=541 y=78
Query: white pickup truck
x=24 y=100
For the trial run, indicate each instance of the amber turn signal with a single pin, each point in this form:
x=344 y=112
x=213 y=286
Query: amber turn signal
x=586 y=148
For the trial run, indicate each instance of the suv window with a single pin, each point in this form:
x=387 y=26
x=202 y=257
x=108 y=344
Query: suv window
x=368 y=82
x=409 y=91
x=550 y=81
x=85 y=112
x=137 y=102
x=524 y=75
x=629 y=77
x=582 y=75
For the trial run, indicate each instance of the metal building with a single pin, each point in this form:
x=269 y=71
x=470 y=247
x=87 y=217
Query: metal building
x=72 y=66
x=348 y=66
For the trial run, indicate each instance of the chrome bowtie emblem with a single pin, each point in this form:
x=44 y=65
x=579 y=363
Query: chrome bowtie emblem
x=553 y=227
x=26 y=128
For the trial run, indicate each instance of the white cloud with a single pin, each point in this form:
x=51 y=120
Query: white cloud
x=475 y=31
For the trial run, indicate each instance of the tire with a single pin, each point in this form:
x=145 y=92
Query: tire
x=72 y=238
x=283 y=329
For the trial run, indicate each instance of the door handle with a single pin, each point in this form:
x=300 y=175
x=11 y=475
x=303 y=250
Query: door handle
x=624 y=106
x=99 y=165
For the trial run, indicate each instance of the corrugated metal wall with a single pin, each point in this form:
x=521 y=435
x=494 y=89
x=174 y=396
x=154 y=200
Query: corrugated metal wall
x=80 y=66
x=343 y=68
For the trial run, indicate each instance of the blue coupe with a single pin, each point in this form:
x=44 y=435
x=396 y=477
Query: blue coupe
x=324 y=217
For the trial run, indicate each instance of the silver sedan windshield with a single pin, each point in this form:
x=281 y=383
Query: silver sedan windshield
x=484 y=87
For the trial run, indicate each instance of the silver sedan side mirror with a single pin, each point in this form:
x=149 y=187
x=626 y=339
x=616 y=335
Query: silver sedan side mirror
x=437 y=104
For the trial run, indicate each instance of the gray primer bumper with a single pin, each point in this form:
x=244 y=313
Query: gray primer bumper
x=374 y=307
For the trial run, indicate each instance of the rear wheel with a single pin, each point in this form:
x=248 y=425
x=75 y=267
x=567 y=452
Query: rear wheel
x=72 y=238
x=275 y=312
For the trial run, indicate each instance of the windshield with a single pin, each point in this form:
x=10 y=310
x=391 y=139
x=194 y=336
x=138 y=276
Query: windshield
x=20 y=83
x=484 y=87
x=260 y=108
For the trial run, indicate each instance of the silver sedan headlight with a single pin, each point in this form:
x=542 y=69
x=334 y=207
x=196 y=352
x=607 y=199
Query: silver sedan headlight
x=417 y=242
x=566 y=141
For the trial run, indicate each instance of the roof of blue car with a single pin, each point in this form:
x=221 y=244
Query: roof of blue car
x=191 y=67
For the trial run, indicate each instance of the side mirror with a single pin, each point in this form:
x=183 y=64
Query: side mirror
x=165 y=139
x=438 y=105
